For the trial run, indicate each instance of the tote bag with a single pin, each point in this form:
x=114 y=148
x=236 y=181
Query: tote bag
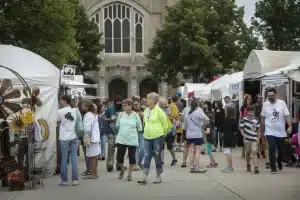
x=79 y=125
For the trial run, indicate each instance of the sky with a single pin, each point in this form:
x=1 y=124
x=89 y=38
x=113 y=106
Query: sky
x=249 y=9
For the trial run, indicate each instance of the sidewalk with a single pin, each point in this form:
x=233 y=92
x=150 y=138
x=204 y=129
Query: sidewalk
x=178 y=183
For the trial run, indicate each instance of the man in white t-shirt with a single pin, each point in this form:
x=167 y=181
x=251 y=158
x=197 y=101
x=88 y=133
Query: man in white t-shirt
x=275 y=114
x=68 y=139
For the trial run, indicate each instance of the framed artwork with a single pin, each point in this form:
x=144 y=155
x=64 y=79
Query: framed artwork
x=296 y=88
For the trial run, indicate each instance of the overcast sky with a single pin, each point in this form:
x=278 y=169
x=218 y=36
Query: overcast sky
x=249 y=9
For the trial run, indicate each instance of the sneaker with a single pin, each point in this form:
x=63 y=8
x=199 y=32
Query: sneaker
x=110 y=168
x=173 y=163
x=183 y=165
x=86 y=173
x=214 y=150
x=121 y=173
x=279 y=165
x=273 y=171
x=63 y=183
x=129 y=178
x=267 y=165
x=256 y=171
x=290 y=164
x=192 y=170
x=75 y=183
x=248 y=168
x=197 y=170
x=227 y=170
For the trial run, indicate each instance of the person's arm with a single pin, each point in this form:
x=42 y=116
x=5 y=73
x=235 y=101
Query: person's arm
x=87 y=124
x=262 y=120
x=163 y=120
x=58 y=117
x=203 y=117
x=258 y=133
x=241 y=127
x=139 y=125
x=287 y=117
x=118 y=120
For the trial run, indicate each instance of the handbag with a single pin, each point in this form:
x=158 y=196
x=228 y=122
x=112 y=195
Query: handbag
x=87 y=138
x=79 y=125
x=113 y=125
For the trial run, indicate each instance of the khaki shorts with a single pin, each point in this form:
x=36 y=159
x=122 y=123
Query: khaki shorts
x=251 y=146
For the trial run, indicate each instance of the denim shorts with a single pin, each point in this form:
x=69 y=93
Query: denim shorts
x=195 y=141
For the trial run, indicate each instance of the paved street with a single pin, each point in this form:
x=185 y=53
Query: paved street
x=178 y=184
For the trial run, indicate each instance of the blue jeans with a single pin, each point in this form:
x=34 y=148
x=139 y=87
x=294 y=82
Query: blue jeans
x=153 y=147
x=140 y=150
x=103 y=139
x=65 y=146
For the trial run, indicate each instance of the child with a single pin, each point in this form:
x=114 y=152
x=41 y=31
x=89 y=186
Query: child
x=209 y=143
x=249 y=129
x=229 y=126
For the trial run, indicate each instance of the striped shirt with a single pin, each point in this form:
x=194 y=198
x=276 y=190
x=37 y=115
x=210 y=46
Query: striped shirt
x=250 y=128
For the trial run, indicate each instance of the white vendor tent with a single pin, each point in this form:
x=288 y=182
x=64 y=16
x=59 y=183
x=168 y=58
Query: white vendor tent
x=190 y=87
x=37 y=72
x=204 y=93
x=261 y=62
x=222 y=87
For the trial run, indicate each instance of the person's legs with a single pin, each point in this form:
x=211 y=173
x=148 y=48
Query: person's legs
x=157 y=157
x=87 y=161
x=132 y=161
x=148 y=144
x=185 y=149
x=265 y=146
x=74 y=159
x=121 y=151
x=229 y=168
x=192 y=155
x=140 y=151
x=280 y=147
x=255 y=149
x=221 y=140
x=209 y=148
x=247 y=149
x=169 y=141
x=216 y=137
x=103 y=146
x=110 y=152
x=197 y=156
x=64 y=152
x=272 y=152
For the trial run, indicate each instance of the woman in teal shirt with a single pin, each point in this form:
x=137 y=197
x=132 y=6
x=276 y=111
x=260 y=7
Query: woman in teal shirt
x=129 y=124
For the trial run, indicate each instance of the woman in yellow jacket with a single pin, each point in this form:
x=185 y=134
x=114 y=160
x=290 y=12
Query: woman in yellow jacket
x=156 y=127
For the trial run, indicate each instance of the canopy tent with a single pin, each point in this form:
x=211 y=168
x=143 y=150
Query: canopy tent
x=205 y=92
x=222 y=88
x=37 y=72
x=190 y=87
x=261 y=62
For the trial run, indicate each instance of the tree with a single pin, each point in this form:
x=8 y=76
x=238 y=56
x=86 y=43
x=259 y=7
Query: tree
x=200 y=38
x=45 y=27
x=278 y=23
x=88 y=38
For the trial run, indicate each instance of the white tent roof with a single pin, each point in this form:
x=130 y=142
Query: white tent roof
x=261 y=62
x=205 y=92
x=32 y=67
x=190 y=87
x=224 y=82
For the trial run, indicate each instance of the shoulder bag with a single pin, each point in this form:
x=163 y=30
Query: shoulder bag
x=79 y=125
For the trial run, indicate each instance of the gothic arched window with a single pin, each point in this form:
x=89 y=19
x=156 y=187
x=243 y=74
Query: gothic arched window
x=138 y=33
x=117 y=28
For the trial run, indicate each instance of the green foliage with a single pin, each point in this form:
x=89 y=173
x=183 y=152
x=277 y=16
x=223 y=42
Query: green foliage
x=200 y=37
x=58 y=30
x=88 y=38
x=278 y=23
x=44 y=27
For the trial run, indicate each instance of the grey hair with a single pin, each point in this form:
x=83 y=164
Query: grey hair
x=163 y=102
x=154 y=96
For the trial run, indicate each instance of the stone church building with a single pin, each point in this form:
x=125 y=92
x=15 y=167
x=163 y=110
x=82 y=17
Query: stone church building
x=129 y=27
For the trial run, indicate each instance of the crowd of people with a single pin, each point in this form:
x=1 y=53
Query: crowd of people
x=144 y=128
